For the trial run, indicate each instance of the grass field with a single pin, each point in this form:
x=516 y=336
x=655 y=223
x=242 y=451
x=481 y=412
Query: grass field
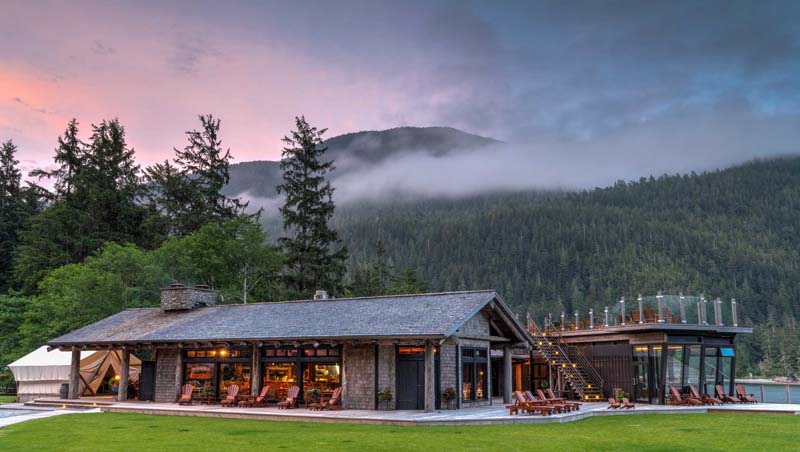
x=7 y=399
x=119 y=432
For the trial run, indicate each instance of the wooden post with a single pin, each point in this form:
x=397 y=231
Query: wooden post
x=762 y=392
x=178 y=373
x=788 y=394
x=255 y=371
x=507 y=370
x=430 y=380
x=123 y=377
x=74 y=373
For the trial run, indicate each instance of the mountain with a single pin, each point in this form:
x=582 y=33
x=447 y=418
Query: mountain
x=355 y=151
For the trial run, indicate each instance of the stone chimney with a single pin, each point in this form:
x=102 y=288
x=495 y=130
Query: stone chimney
x=178 y=297
x=321 y=295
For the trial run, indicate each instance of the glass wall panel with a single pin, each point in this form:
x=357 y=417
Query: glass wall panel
x=201 y=377
x=641 y=374
x=467 y=371
x=281 y=376
x=325 y=377
x=655 y=358
x=725 y=367
x=710 y=369
x=691 y=373
x=674 y=375
x=480 y=383
x=234 y=374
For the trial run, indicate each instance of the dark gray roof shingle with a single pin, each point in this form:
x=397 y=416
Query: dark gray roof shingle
x=426 y=315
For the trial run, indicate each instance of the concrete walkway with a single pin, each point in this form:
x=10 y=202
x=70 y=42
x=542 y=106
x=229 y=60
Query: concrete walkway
x=39 y=414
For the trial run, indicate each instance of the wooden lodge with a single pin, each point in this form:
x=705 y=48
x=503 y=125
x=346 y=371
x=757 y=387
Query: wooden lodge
x=416 y=346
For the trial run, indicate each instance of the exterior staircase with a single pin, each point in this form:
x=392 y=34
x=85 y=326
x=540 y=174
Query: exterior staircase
x=580 y=376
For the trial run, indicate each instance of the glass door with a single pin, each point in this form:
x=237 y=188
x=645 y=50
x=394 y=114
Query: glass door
x=641 y=374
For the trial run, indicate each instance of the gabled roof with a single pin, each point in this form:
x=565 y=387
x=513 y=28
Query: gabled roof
x=429 y=316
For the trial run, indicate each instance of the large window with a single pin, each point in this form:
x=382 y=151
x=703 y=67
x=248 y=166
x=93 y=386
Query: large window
x=305 y=367
x=212 y=370
x=691 y=373
x=474 y=386
x=674 y=366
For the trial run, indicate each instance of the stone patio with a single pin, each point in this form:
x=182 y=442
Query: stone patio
x=495 y=414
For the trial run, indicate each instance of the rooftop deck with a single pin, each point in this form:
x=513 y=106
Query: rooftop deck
x=495 y=414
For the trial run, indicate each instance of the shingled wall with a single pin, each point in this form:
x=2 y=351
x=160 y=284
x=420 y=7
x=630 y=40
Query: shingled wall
x=359 y=377
x=167 y=363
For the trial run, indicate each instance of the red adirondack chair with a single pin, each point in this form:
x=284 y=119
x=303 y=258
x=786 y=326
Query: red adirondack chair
x=186 y=395
x=677 y=399
x=230 y=399
x=744 y=396
x=290 y=401
x=705 y=398
x=725 y=397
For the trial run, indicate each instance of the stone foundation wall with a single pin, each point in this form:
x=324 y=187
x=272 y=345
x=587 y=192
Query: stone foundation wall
x=359 y=377
x=387 y=378
x=167 y=386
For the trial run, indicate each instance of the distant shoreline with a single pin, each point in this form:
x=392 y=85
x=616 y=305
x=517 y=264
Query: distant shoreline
x=765 y=381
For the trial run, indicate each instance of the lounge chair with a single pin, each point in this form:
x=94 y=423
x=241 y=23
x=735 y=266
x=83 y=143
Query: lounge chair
x=613 y=404
x=186 y=394
x=626 y=403
x=290 y=401
x=725 y=398
x=677 y=399
x=557 y=402
x=260 y=400
x=531 y=405
x=550 y=396
x=230 y=399
x=744 y=396
x=705 y=398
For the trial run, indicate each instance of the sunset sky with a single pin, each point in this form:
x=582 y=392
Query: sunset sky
x=562 y=73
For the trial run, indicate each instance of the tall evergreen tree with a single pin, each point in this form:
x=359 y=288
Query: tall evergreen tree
x=11 y=205
x=68 y=156
x=312 y=261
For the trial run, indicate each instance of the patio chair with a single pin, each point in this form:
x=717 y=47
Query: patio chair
x=335 y=402
x=725 y=397
x=705 y=398
x=186 y=394
x=551 y=396
x=290 y=401
x=677 y=399
x=613 y=404
x=531 y=405
x=259 y=401
x=744 y=396
x=626 y=403
x=230 y=399
x=558 y=404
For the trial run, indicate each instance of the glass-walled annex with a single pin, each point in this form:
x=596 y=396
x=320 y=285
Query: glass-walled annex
x=656 y=367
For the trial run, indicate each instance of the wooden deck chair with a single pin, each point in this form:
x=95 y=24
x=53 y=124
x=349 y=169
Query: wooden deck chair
x=557 y=404
x=335 y=402
x=612 y=403
x=290 y=401
x=531 y=405
x=626 y=403
x=261 y=399
x=744 y=396
x=705 y=398
x=186 y=394
x=230 y=399
x=677 y=399
x=725 y=397
x=551 y=396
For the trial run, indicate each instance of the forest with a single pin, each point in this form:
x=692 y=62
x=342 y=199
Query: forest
x=728 y=233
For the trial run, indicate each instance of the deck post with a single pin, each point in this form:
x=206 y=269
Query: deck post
x=430 y=380
x=255 y=371
x=507 y=373
x=74 y=372
x=122 y=395
x=682 y=307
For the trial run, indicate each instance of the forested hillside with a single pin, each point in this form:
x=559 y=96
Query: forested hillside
x=730 y=233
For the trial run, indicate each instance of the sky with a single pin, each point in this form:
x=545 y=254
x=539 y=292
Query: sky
x=626 y=87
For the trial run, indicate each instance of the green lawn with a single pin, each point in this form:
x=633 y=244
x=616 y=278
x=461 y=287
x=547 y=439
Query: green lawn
x=119 y=432
x=7 y=399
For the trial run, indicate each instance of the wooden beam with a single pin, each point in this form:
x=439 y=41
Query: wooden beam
x=507 y=370
x=74 y=373
x=430 y=380
x=123 y=378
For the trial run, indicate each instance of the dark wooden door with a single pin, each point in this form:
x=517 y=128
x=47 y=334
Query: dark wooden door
x=410 y=384
x=147 y=381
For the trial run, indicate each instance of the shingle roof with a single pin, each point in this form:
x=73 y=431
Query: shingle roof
x=425 y=315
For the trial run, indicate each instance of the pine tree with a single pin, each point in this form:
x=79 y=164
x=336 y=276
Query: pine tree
x=312 y=263
x=203 y=174
x=68 y=156
x=11 y=206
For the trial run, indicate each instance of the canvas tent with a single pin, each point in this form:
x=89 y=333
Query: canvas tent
x=41 y=373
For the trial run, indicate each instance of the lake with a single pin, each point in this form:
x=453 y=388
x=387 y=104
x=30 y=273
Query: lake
x=774 y=393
